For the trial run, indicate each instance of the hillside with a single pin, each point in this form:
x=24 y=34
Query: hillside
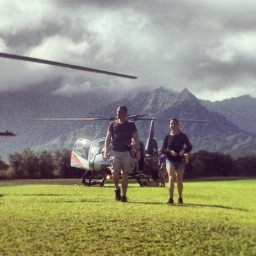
x=240 y=111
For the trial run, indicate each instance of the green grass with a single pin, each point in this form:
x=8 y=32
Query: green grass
x=57 y=218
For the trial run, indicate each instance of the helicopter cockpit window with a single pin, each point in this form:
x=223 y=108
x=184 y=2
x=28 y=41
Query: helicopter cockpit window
x=82 y=147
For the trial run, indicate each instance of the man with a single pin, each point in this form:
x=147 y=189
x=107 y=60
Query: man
x=120 y=133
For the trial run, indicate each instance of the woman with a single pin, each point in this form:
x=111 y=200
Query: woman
x=175 y=145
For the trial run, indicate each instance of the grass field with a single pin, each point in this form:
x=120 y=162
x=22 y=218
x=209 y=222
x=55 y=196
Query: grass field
x=56 y=217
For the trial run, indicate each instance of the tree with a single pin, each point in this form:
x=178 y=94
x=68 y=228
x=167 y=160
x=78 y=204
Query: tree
x=46 y=165
x=15 y=161
x=3 y=165
x=197 y=165
x=245 y=166
x=62 y=163
x=209 y=164
x=25 y=165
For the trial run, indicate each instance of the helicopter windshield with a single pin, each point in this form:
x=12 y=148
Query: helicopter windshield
x=82 y=147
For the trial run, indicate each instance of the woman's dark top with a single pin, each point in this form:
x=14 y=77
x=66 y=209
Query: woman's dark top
x=176 y=143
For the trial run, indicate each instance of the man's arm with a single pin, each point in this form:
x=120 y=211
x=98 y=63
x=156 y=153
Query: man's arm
x=137 y=145
x=106 y=146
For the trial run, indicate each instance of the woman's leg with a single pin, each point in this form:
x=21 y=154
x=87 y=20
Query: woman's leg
x=179 y=175
x=171 y=178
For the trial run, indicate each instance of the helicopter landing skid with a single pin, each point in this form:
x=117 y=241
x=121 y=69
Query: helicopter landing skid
x=141 y=178
x=91 y=178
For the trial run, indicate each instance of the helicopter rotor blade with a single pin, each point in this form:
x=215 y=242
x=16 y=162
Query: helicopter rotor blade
x=135 y=117
x=7 y=133
x=70 y=119
x=64 y=65
x=166 y=119
x=130 y=117
x=193 y=120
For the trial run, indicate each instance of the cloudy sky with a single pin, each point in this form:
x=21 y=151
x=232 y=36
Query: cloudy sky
x=207 y=46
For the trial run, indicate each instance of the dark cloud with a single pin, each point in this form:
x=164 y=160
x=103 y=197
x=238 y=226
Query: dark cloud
x=177 y=44
x=106 y=4
x=26 y=38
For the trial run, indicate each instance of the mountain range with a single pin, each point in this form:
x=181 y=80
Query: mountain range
x=240 y=111
x=229 y=127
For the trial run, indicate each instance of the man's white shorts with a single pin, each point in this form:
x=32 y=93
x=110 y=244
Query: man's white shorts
x=121 y=162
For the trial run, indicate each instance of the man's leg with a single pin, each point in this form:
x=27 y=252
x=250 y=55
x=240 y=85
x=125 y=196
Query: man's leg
x=116 y=167
x=127 y=167
x=115 y=176
x=124 y=183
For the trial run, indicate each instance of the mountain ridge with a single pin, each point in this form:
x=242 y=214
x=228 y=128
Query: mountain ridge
x=240 y=111
x=218 y=134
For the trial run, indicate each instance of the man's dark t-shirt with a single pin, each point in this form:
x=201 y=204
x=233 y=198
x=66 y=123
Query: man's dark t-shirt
x=121 y=135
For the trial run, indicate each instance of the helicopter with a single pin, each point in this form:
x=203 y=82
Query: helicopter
x=88 y=156
x=7 y=133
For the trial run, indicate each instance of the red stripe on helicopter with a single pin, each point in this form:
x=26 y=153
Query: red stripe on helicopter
x=76 y=159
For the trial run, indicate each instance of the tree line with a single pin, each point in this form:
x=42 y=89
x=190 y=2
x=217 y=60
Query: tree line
x=212 y=164
x=38 y=165
x=46 y=165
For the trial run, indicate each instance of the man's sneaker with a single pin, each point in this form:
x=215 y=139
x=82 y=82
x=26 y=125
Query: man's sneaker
x=170 y=201
x=180 y=200
x=118 y=194
x=123 y=199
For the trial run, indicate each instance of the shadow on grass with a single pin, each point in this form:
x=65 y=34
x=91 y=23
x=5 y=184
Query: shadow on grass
x=79 y=201
x=134 y=202
x=1 y=195
x=45 y=195
x=192 y=205
x=216 y=206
